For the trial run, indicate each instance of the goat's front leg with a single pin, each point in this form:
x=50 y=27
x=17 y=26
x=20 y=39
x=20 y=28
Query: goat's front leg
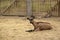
x=37 y=29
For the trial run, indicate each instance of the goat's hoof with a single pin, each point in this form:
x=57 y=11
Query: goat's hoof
x=29 y=30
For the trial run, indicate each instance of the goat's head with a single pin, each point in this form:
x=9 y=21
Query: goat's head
x=31 y=19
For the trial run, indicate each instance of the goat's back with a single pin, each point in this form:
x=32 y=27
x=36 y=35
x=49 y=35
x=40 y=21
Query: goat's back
x=44 y=26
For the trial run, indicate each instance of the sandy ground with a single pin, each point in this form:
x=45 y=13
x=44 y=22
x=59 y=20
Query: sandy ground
x=14 y=28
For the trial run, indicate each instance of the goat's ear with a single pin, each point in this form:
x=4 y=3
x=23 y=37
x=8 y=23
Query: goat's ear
x=27 y=18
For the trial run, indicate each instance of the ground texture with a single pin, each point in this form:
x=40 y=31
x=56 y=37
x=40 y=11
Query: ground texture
x=14 y=28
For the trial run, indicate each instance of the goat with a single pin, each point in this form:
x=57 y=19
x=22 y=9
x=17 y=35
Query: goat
x=39 y=26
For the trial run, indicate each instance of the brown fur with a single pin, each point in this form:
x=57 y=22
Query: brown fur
x=38 y=26
x=41 y=26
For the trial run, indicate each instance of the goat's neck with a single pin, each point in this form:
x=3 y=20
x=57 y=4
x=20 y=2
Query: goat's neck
x=34 y=23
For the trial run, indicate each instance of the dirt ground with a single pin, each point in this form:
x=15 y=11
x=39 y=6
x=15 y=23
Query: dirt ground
x=14 y=28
